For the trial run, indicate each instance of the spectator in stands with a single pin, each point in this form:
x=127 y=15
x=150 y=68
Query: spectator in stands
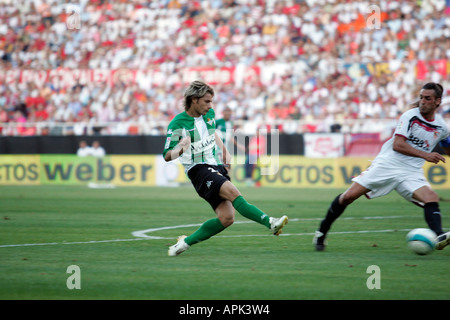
x=23 y=129
x=306 y=57
x=97 y=150
x=41 y=113
x=74 y=104
x=84 y=149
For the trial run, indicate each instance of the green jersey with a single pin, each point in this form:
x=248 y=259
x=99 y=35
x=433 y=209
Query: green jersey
x=202 y=132
x=223 y=125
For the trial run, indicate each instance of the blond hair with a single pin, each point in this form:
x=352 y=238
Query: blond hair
x=197 y=89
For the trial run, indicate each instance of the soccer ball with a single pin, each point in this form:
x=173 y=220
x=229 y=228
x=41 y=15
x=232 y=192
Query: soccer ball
x=421 y=241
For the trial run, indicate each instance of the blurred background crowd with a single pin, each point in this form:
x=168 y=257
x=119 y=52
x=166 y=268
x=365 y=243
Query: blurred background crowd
x=298 y=65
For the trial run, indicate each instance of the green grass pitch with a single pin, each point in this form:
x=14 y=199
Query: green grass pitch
x=46 y=229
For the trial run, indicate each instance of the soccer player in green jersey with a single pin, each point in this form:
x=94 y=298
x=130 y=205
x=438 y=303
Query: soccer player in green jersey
x=192 y=137
x=225 y=123
x=224 y=126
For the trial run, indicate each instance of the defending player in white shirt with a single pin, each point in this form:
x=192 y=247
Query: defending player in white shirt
x=399 y=164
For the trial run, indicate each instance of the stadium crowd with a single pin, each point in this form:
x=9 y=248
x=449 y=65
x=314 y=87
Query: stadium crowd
x=318 y=61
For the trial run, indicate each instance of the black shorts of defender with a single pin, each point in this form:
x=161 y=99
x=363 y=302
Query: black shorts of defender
x=207 y=180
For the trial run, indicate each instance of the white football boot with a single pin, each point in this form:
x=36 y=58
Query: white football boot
x=178 y=247
x=277 y=224
x=442 y=240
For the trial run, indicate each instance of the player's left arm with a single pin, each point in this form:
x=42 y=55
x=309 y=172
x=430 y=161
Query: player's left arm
x=445 y=144
x=447 y=150
x=226 y=157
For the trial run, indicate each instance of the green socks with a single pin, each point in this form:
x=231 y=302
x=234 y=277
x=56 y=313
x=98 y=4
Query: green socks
x=206 y=231
x=214 y=226
x=250 y=211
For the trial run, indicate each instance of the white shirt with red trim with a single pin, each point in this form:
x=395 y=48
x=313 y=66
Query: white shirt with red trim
x=420 y=133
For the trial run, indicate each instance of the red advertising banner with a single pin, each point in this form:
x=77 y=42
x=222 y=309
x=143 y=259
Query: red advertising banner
x=152 y=77
x=146 y=78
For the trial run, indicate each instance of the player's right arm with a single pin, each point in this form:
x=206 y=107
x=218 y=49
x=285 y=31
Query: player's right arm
x=178 y=150
x=400 y=145
x=176 y=143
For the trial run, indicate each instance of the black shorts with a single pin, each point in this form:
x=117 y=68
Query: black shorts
x=207 y=180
